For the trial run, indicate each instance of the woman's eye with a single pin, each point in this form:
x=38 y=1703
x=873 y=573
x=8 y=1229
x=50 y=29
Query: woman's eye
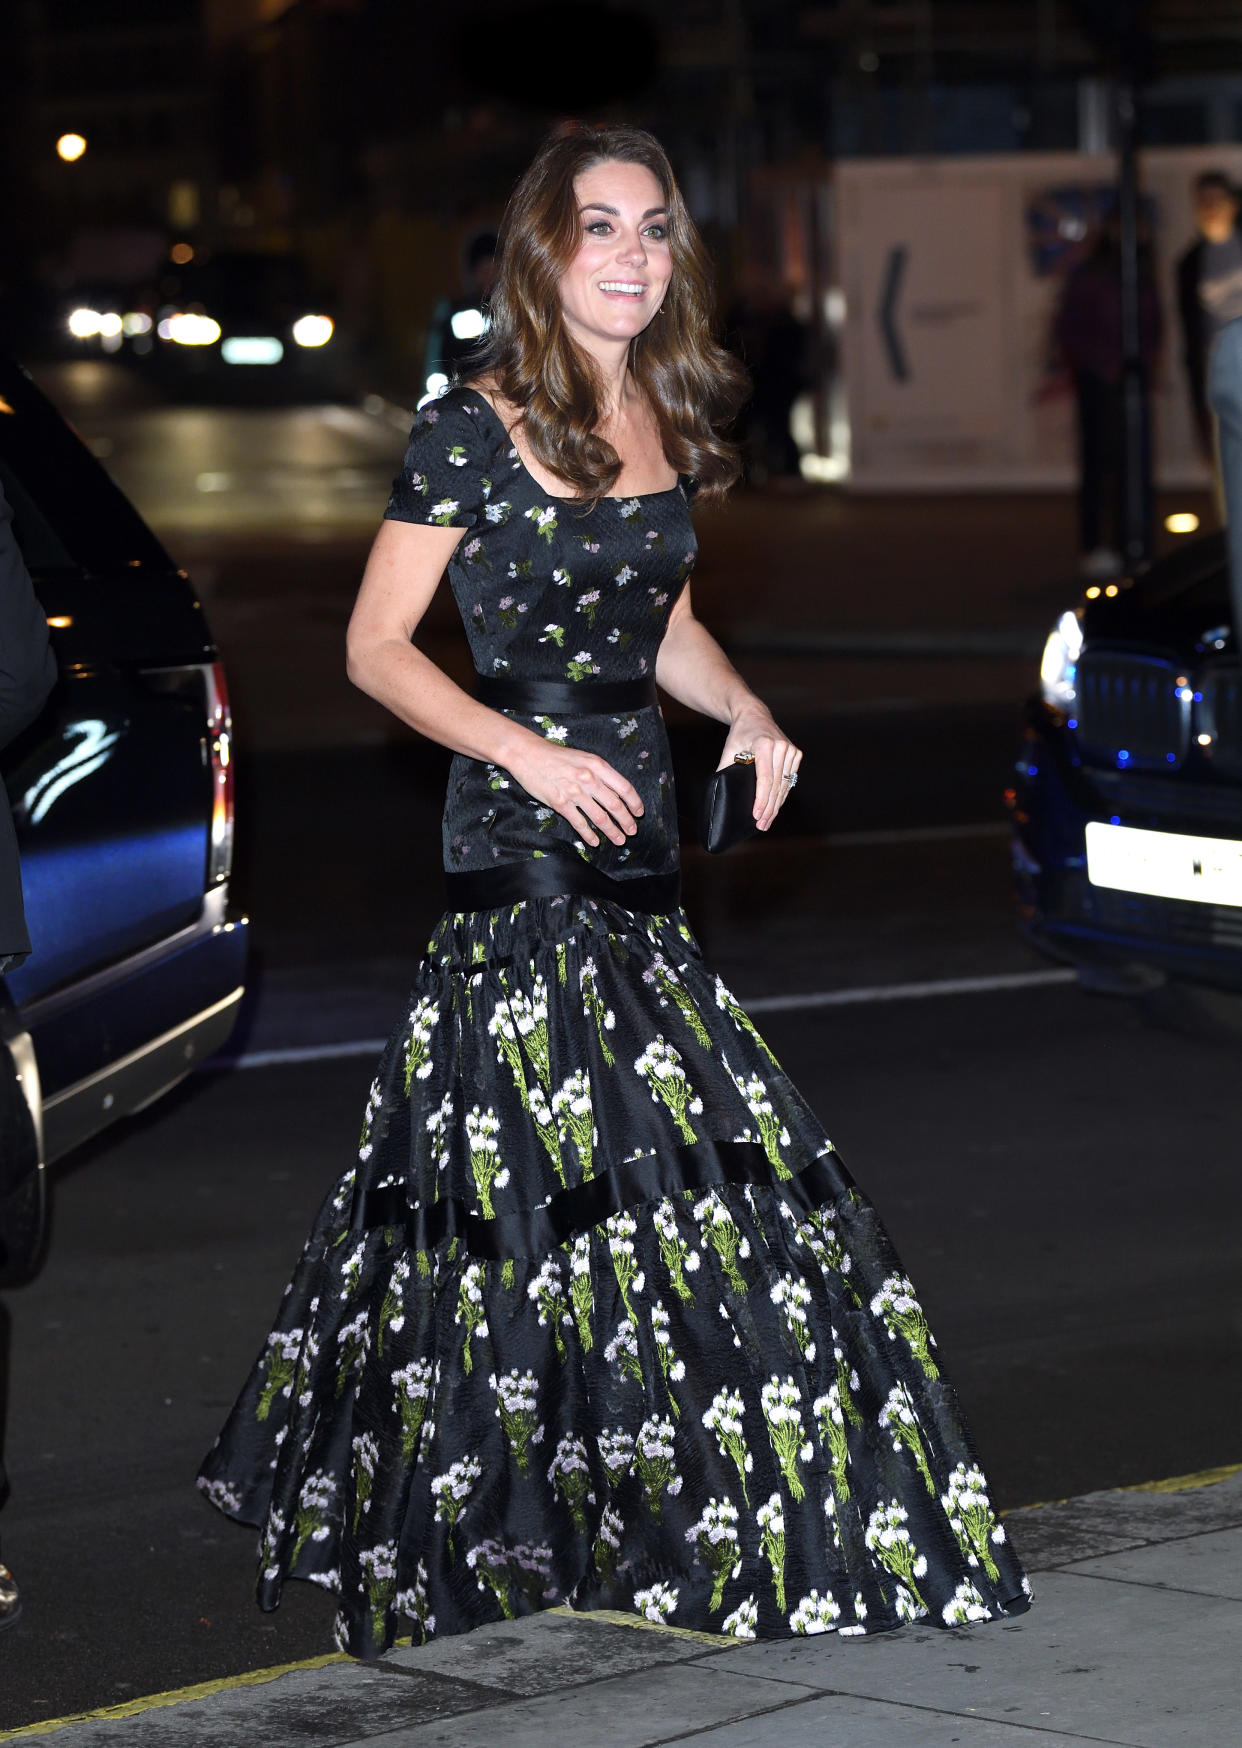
x=657 y=232
x=600 y=228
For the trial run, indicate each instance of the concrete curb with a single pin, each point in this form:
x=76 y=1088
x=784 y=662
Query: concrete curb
x=1136 y=1609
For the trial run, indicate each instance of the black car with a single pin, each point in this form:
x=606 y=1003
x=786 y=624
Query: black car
x=1127 y=808
x=122 y=794
x=238 y=319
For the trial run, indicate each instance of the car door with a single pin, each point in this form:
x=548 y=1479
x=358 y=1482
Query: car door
x=112 y=789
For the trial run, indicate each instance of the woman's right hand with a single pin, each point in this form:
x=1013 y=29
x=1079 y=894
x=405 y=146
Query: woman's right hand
x=583 y=788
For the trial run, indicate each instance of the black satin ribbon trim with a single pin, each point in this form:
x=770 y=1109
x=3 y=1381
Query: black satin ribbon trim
x=698 y=1165
x=564 y=698
x=558 y=873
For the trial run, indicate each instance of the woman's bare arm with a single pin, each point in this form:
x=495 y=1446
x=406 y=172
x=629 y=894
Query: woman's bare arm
x=693 y=668
x=401 y=576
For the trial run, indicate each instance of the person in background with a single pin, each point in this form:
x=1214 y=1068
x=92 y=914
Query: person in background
x=1088 y=334
x=459 y=324
x=27 y=675
x=765 y=333
x=1205 y=275
x=1224 y=387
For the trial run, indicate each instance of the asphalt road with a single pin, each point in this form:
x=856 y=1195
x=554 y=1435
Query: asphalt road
x=1059 y=1176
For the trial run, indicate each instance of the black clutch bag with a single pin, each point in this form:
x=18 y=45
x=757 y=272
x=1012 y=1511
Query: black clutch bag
x=729 y=806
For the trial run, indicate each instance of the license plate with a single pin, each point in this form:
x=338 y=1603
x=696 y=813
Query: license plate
x=1165 y=864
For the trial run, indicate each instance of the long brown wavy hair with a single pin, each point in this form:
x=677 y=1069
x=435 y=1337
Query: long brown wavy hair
x=692 y=385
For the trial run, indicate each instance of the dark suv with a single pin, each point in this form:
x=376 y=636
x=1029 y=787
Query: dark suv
x=122 y=795
x=1127 y=807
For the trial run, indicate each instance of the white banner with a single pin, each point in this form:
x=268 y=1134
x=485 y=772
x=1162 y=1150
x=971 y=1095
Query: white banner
x=952 y=269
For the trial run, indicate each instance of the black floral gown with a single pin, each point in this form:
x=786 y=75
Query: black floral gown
x=598 y=1317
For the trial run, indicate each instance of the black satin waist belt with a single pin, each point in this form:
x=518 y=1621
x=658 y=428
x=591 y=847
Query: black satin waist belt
x=560 y=871
x=699 y=1165
x=563 y=697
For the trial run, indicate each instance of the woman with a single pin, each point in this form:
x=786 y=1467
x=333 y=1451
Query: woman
x=599 y=1317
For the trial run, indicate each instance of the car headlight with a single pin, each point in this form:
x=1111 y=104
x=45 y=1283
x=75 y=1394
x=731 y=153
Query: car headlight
x=83 y=324
x=1059 y=667
x=187 y=328
x=312 y=330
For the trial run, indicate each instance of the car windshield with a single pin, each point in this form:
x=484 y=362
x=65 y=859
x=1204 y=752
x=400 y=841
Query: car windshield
x=234 y=286
x=67 y=512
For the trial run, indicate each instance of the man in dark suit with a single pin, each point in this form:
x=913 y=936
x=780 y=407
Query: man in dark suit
x=27 y=674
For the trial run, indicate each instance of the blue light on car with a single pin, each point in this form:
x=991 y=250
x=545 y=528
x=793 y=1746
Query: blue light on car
x=1032 y=770
x=1123 y=757
x=1198 y=697
x=1072 y=723
x=1171 y=758
x=1114 y=819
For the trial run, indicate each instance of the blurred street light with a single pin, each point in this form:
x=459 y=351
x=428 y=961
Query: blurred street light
x=70 y=147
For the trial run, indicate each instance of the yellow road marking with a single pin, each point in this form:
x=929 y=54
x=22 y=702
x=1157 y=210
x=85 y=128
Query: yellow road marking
x=176 y=1696
x=1187 y=1483
x=613 y=1617
x=1174 y=1484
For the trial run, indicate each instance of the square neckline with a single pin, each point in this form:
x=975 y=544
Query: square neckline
x=604 y=497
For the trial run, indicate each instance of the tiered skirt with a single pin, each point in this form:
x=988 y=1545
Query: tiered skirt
x=600 y=1318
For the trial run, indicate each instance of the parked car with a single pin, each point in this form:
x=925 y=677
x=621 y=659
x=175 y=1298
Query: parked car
x=122 y=794
x=1127 y=804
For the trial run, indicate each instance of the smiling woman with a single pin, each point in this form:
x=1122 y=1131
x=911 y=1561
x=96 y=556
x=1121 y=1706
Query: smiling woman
x=598 y=233
x=598 y=1315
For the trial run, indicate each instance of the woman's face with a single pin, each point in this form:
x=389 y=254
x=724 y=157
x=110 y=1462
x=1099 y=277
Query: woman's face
x=616 y=282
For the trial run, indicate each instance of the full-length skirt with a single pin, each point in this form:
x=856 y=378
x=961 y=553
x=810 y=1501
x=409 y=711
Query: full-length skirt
x=600 y=1318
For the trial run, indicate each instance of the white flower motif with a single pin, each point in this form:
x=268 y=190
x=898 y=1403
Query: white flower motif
x=742 y=1622
x=964 y=1606
x=656 y=1603
x=815 y=1614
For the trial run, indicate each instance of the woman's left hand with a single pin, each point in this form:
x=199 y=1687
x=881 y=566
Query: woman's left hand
x=777 y=759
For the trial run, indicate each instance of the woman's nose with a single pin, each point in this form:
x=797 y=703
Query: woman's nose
x=633 y=249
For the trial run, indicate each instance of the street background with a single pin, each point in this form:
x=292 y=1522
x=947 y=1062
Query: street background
x=895 y=197
x=1080 y=1157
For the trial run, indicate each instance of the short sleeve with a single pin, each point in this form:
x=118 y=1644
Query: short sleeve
x=443 y=481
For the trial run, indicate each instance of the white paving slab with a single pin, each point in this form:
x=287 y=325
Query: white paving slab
x=1107 y=1661
x=1099 y=1523
x=545 y=1651
x=329 y=1707
x=844 y=1722
x=635 y=1711
x=1211 y=1565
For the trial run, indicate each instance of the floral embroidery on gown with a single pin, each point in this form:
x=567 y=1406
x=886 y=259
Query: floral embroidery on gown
x=598 y=1317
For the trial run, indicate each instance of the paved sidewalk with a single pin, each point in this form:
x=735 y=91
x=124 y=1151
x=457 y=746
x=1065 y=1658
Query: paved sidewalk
x=1133 y=1642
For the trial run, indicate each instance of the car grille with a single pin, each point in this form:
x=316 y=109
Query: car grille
x=1171 y=804
x=1172 y=921
x=1221 y=716
x=1128 y=711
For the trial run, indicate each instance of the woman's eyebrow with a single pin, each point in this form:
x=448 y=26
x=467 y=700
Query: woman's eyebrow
x=598 y=206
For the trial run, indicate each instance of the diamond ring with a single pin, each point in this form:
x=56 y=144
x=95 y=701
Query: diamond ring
x=790 y=777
